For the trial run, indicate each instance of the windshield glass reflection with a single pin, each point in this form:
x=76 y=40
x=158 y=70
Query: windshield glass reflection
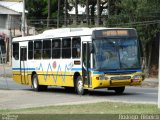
x=115 y=54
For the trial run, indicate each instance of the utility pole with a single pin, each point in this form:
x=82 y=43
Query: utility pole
x=159 y=74
x=49 y=13
x=10 y=47
x=23 y=19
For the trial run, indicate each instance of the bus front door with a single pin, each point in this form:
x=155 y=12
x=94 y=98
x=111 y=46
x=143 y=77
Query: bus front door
x=86 y=63
x=23 y=65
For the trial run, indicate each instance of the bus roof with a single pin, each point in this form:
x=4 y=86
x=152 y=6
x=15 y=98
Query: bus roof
x=56 y=33
x=62 y=32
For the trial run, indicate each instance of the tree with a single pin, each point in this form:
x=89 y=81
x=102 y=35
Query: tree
x=98 y=12
x=49 y=13
x=65 y=12
x=76 y=11
x=38 y=13
x=35 y=9
x=74 y=3
x=58 y=15
x=87 y=11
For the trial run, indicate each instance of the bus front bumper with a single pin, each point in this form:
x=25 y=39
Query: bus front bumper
x=116 y=81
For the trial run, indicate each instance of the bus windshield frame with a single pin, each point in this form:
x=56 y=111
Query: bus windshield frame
x=116 y=54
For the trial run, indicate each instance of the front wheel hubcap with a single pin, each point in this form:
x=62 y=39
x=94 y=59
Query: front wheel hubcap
x=35 y=83
x=80 y=85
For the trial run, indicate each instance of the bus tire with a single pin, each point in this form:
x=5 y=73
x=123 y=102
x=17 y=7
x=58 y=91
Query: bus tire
x=69 y=89
x=35 y=84
x=119 y=90
x=79 y=86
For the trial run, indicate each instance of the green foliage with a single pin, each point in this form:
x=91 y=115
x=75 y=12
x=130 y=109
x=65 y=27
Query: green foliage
x=35 y=9
x=92 y=108
x=141 y=14
x=54 y=8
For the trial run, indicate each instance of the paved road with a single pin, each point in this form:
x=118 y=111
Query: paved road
x=5 y=69
x=19 y=96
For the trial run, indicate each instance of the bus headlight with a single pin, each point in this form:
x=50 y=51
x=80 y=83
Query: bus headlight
x=102 y=78
x=136 y=78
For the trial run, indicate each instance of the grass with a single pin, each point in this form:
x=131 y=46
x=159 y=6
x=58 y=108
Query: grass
x=93 y=108
x=92 y=111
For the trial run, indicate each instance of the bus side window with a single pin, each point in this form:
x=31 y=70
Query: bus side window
x=46 y=49
x=76 y=47
x=56 y=48
x=16 y=51
x=37 y=49
x=66 y=48
x=30 y=50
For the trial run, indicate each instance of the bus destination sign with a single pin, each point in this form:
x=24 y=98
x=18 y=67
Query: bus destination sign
x=114 y=33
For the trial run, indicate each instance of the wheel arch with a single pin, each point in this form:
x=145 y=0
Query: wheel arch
x=76 y=74
x=33 y=73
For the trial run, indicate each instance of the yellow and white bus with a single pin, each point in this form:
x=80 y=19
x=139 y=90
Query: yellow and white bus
x=80 y=58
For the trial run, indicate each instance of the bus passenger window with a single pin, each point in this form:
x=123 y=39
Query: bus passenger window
x=37 y=49
x=66 y=48
x=16 y=51
x=30 y=50
x=76 y=47
x=56 y=48
x=46 y=49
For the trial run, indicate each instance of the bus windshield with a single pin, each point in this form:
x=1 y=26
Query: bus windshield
x=115 y=54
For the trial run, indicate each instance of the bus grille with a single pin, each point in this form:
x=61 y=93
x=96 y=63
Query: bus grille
x=120 y=78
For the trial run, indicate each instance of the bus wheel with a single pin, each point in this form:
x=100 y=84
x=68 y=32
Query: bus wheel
x=69 y=89
x=119 y=90
x=36 y=85
x=79 y=86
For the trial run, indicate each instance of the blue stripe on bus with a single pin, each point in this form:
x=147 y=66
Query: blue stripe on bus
x=23 y=69
x=80 y=69
x=76 y=69
x=116 y=71
x=73 y=69
x=94 y=72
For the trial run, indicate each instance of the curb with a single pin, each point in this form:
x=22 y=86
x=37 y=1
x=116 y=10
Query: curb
x=150 y=82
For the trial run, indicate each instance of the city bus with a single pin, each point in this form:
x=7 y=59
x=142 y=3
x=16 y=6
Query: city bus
x=79 y=58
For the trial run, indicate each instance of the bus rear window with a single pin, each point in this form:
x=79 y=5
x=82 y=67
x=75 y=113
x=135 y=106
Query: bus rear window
x=16 y=51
